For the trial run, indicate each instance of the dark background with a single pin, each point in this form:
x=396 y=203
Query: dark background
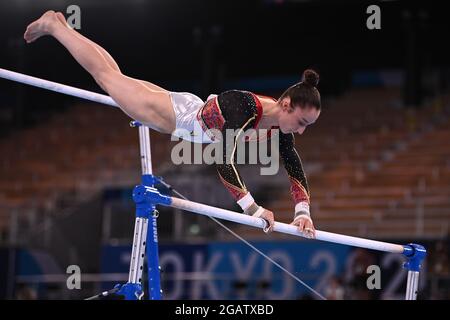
x=198 y=45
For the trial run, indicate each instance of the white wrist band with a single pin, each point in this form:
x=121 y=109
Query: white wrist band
x=246 y=201
x=302 y=207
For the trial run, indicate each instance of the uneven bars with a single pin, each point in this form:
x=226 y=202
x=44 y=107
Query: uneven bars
x=57 y=87
x=147 y=197
x=197 y=207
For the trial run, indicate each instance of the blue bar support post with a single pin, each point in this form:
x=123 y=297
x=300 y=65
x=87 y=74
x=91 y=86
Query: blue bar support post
x=415 y=253
x=145 y=240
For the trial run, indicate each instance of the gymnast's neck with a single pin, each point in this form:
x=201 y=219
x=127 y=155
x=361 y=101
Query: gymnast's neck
x=271 y=111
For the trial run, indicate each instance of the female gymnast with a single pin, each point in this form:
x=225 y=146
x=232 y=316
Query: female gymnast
x=167 y=112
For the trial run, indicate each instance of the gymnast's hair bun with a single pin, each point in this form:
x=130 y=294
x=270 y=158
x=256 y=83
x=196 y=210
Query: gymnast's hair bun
x=310 y=77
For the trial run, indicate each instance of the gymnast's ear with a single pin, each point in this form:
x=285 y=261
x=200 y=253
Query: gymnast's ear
x=285 y=104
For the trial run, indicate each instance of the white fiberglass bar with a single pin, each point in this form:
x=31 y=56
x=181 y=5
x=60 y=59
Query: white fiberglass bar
x=57 y=87
x=283 y=227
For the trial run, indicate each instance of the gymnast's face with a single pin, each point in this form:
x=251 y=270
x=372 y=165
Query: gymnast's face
x=296 y=119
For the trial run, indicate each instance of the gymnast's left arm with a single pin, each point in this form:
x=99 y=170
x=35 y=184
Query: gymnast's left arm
x=299 y=185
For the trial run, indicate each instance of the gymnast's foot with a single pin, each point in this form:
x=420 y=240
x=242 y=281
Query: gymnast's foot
x=41 y=27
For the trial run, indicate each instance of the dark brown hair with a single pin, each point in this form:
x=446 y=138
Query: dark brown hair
x=305 y=92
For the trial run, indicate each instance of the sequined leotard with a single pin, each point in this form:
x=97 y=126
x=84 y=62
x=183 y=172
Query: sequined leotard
x=242 y=110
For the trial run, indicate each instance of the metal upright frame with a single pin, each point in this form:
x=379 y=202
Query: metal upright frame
x=145 y=239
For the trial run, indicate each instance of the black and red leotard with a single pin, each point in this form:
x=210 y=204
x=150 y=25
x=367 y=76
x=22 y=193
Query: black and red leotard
x=242 y=110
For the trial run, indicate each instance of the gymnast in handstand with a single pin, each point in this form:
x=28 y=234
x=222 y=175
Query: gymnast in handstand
x=169 y=112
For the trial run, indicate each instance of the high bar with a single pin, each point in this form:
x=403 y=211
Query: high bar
x=280 y=227
x=57 y=87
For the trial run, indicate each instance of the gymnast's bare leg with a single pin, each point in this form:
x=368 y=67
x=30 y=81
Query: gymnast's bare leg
x=105 y=54
x=141 y=100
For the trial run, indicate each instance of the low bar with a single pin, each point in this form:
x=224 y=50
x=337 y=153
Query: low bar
x=278 y=227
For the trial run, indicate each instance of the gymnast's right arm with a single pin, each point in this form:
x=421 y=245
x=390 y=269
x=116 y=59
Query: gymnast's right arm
x=238 y=121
